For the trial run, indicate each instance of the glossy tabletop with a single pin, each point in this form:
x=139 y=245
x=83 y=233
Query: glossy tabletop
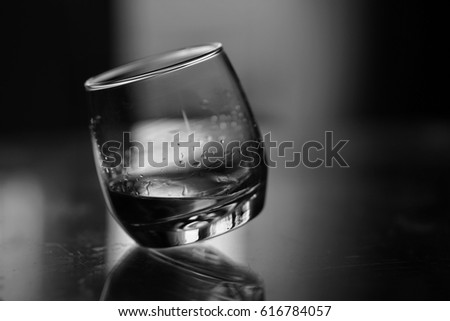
x=378 y=230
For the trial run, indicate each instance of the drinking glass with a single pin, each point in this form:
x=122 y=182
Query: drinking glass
x=177 y=149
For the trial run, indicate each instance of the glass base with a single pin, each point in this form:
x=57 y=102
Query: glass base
x=199 y=226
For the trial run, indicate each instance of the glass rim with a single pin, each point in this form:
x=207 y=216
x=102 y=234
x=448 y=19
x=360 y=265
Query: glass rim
x=164 y=62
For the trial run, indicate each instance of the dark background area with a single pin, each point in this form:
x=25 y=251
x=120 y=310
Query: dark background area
x=49 y=49
x=405 y=58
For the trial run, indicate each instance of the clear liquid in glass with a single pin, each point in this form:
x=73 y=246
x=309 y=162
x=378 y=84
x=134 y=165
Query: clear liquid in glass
x=193 y=203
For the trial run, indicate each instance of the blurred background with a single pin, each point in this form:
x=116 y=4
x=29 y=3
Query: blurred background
x=372 y=72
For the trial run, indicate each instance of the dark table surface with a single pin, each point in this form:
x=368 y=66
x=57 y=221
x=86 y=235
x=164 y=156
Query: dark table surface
x=379 y=230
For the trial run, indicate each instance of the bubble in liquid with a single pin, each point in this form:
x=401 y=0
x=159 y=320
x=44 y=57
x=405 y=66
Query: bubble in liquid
x=233 y=124
x=205 y=103
x=129 y=185
x=237 y=107
x=223 y=125
x=214 y=118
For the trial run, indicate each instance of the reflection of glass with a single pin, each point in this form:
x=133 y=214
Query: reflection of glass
x=187 y=273
x=162 y=191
